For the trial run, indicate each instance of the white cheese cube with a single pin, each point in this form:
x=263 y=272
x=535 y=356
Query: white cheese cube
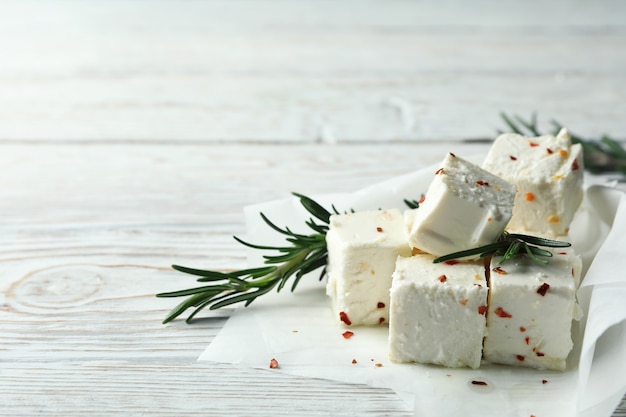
x=437 y=312
x=531 y=308
x=464 y=207
x=362 y=252
x=548 y=173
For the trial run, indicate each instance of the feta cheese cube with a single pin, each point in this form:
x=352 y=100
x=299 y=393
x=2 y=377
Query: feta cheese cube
x=531 y=307
x=437 y=312
x=464 y=207
x=548 y=173
x=362 y=252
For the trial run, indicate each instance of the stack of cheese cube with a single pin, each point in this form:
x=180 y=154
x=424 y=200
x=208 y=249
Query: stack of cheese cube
x=461 y=313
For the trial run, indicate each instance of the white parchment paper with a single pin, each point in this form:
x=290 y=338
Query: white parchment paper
x=299 y=331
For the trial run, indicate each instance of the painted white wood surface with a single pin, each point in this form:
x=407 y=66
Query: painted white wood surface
x=133 y=132
x=87 y=236
x=303 y=70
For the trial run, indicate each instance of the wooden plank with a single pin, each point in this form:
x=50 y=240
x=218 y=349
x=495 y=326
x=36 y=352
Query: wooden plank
x=87 y=235
x=305 y=71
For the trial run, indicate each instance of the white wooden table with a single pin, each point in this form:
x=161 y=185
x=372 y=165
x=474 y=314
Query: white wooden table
x=133 y=133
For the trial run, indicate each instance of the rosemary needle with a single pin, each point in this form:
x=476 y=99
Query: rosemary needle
x=302 y=254
x=509 y=246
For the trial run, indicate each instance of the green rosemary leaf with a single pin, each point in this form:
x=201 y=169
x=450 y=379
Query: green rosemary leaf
x=530 y=126
x=535 y=240
x=262 y=247
x=540 y=252
x=510 y=124
x=322 y=229
x=533 y=256
x=314 y=208
x=509 y=246
x=248 y=297
x=482 y=250
x=303 y=254
x=511 y=252
x=614 y=147
x=207 y=275
x=188 y=303
x=412 y=204
x=196 y=290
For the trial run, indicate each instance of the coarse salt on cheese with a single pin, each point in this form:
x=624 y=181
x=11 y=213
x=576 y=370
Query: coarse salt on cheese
x=362 y=252
x=531 y=308
x=437 y=312
x=464 y=207
x=548 y=173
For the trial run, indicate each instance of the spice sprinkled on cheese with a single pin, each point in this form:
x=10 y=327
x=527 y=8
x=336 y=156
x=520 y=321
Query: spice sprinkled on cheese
x=362 y=252
x=465 y=207
x=433 y=322
x=531 y=311
x=550 y=172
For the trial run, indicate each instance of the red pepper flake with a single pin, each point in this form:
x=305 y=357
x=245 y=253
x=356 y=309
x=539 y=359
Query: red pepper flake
x=475 y=382
x=575 y=166
x=379 y=229
x=543 y=289
x=540 y=354
x=533 y=144
x=550 y=151
x=380 y=305
x=452 y=262
x=527 y=340
x=347 y=334
x=442 y=278
x=529 y=197
x=378 y=365
x=522 y=329
x=562 y=253
x=501 y=313
x=422 y=199
x=513 y=158
x=544 y=381
x=381 y=320
x=273 y=364
x=481 y=182
x=520 y=358
x=573 y=274
x=499 y=270
x=482 y=310
x=464 y=302
x=452 y=155
x=439 y=171
x=353 y=361
x=344 y=318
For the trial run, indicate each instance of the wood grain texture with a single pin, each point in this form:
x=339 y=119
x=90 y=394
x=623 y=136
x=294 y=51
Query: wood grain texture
x=306 y=71
x=86 y=240
x=132 y=134
x=87 y=237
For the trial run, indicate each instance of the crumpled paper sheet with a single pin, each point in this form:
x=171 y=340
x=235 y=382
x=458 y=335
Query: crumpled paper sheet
x=298 y=328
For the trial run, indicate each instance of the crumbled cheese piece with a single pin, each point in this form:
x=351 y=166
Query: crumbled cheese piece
x=465 y=207
x=531 y=308
x=362 y=252
x=437 y=312
x=548 y=172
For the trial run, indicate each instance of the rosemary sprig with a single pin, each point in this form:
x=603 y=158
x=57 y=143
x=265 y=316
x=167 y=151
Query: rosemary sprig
x=303 y=254
x=509 y=246
x=604 y=155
